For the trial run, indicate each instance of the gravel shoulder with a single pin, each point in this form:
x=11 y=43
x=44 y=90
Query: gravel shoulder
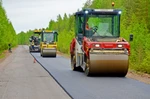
x=21 y=78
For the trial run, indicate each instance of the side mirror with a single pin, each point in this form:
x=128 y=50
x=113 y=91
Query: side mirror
x=56 y=36
x=80 y=37
x=131 y=37
x=30 y=40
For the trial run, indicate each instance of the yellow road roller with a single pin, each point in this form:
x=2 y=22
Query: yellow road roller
x=48 y=45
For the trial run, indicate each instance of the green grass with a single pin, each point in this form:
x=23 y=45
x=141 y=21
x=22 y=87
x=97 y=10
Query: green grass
x=2 y=55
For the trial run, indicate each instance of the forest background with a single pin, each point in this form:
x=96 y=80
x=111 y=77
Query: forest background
x=135 y=20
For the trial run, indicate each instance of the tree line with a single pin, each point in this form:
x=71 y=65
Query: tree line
x=135 y=20
x=7 y=32
x=23 y=37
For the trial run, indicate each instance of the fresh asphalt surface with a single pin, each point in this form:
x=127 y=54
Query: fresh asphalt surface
x=79 y=86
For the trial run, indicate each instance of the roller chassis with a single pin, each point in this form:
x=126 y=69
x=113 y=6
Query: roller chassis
x=84 y=60
x=36 y=48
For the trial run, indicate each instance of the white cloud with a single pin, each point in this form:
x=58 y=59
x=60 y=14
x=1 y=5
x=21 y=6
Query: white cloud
x=31 y=14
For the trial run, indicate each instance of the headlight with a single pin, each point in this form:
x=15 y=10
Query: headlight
x=86 y=12
x=97 y=45
x=119 y=12
x=119 y=45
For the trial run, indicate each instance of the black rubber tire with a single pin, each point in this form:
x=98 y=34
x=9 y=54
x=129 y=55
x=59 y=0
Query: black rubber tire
x=87 y=73
x=87 y=69
x=41 y=53
x=73 y=63
x=29 y=49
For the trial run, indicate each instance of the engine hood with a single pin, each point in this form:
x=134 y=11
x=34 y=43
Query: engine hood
x=103 y=39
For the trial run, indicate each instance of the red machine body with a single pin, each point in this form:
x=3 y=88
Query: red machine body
x=100 y=49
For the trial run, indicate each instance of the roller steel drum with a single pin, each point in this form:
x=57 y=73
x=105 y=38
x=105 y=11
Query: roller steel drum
x=108 y=64
x=49 y=52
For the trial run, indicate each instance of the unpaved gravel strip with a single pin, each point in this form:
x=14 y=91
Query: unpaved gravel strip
x=20 y=78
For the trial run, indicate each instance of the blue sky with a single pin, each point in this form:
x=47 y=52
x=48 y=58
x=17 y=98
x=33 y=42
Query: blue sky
x=31 y=14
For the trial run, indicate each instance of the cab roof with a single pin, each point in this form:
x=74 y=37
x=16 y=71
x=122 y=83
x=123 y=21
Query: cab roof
x=40 y=31
x=99 y=12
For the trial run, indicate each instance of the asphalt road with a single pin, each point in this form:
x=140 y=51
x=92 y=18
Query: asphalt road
x=79 y=86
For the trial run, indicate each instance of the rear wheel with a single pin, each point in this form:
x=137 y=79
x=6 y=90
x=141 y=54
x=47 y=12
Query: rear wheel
x=87 y=68
x=41 y=53
x=87 y=71
x=73 y=63
x=54 y=55
x=29 y=49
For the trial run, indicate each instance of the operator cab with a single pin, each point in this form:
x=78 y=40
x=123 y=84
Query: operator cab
x=35 y=38
x=97 y=23
x=49 y=36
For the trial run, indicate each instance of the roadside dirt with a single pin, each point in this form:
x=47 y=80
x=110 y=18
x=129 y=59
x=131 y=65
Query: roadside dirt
x=6 y=53
x=142 y=77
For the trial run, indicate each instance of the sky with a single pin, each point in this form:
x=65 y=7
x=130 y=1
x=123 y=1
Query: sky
x=31 y=14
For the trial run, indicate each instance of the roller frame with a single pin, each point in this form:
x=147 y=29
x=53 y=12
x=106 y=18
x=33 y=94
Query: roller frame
x=37 y=48
x=102 y=62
